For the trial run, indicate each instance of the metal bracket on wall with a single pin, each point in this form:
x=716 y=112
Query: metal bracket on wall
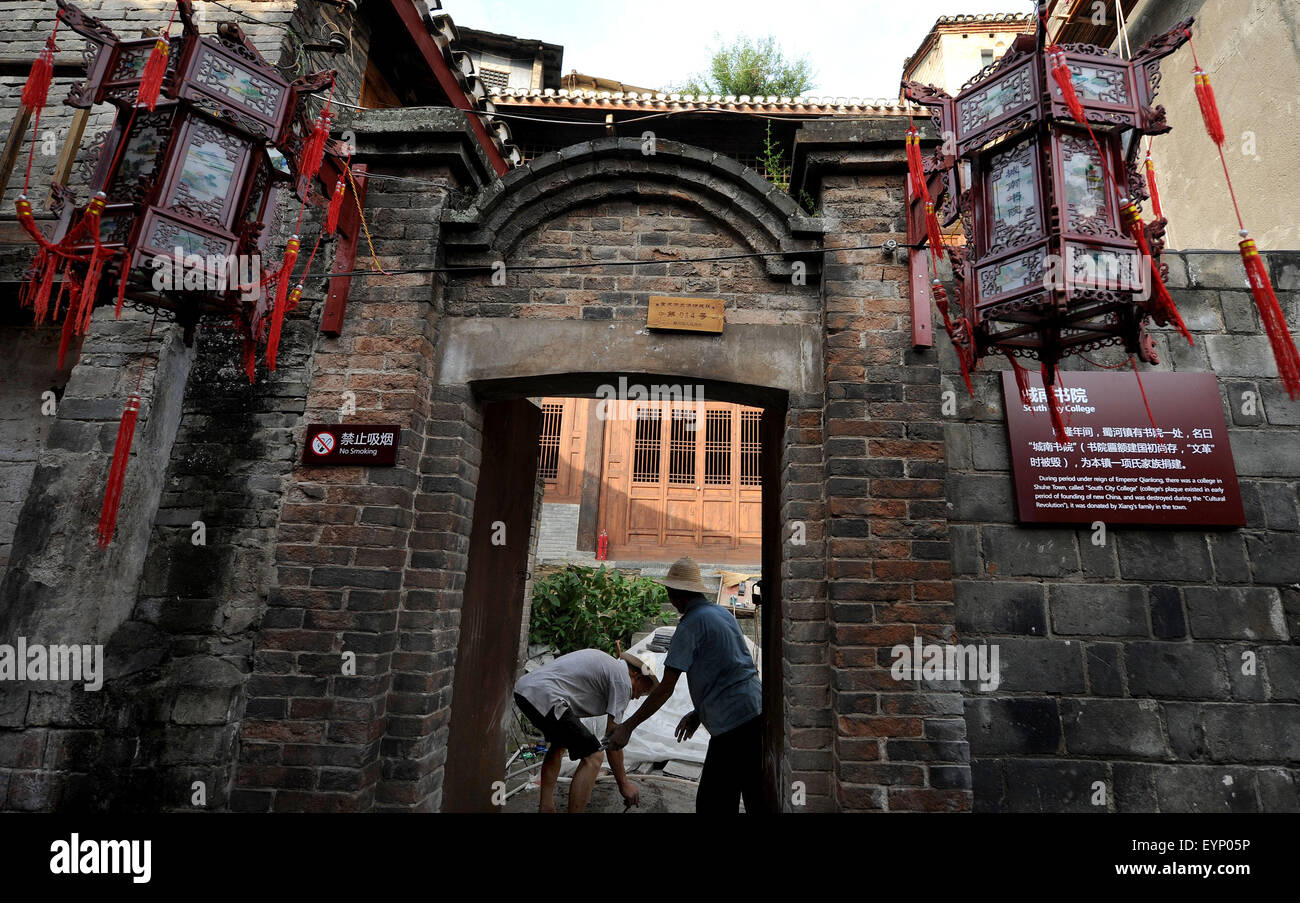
x=345 y=256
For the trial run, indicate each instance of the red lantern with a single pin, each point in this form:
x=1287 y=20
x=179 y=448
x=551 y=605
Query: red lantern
x=1056 y=260
x=206 y=133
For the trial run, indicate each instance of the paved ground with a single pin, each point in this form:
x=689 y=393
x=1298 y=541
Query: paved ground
x=659 y=793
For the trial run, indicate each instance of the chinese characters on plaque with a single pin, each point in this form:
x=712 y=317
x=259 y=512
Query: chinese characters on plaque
x=691 y=314
x=353 y=444
x=1115 y=465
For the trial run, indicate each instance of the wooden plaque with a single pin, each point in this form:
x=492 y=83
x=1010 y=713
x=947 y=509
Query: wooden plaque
x=691 y=314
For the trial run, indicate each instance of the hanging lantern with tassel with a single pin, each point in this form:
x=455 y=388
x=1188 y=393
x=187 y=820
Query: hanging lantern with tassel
x=127 y=232
x=1055 y=254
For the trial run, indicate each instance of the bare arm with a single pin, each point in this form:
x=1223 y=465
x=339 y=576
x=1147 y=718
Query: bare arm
x=615 y=757
x=618 y=737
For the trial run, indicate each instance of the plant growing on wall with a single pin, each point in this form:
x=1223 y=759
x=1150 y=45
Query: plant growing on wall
x=771 y=160
x=592 y=608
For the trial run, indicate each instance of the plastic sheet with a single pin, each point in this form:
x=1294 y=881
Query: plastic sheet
x=654 y=740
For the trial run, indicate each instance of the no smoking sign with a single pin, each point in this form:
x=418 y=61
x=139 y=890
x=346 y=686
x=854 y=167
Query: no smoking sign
x=352 y=444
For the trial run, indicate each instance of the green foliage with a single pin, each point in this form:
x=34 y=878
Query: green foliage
x=771 y=159
x=586 y=608
x=771 y=162
x=753 y=67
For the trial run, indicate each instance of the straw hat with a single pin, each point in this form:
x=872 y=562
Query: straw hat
x=685 y=575
x=645 y=666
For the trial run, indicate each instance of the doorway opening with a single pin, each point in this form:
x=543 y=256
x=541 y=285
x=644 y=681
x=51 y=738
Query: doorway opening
x=629 y=486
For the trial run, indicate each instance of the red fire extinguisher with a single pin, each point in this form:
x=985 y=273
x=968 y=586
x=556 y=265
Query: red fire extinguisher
x=602 y=546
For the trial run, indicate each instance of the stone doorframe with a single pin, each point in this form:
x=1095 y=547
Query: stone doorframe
x=485 y=361
x=861 y=471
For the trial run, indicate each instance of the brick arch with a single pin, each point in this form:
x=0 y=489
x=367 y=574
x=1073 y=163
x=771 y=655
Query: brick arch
x=764 y=217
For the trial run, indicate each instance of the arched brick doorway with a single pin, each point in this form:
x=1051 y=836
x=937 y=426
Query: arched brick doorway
x=492 y=603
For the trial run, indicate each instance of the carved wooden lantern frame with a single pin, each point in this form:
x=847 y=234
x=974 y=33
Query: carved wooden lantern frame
x=197 y=172
x=1049 y=267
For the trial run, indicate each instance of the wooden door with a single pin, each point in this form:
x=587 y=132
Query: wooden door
x=564 y=423
x=492 y=605
x=683 y=480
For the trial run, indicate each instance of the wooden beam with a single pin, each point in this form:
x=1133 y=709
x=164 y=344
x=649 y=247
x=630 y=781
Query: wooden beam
x=68 y=155
x=336 y=302
x=13 y=145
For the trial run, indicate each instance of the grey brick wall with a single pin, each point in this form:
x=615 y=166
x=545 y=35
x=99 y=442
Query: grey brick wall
x=558 y=536
x=1123 y=663
x=30 y=371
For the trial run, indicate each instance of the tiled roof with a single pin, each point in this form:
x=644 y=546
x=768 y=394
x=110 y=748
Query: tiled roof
x=1018 y=18
x=444 y=34
x=632 y=100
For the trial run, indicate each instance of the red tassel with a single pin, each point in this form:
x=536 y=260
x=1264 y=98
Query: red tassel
x=1054 y=410
x=155 y=69
x=1209 y=107
x=98 y=255
x=37 y=89
x=117 y=471
x=250 y=352
x=1163 y=307
x=1022 y=379
x=335 y=208
x=48 y=267
x=916 y=165
x=933 y=230
x=313 y=149
x=1151 y=187
x=281 y=300
x=1061 y=73
x=940 y=296
x=1143 y=391
x=121 y=288
x=23 y=210
x=69 y=322
x=1270 y=313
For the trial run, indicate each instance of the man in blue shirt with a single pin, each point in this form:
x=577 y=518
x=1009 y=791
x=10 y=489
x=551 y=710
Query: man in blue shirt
x=709 y=647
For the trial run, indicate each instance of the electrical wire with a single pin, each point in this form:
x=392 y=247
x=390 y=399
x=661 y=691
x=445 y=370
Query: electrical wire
x=245 y=17
x=491 y=267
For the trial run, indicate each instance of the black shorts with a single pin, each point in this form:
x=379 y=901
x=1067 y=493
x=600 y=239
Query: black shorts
x=566 y=732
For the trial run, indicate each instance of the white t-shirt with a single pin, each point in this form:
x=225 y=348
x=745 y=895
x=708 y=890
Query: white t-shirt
x=589 y=681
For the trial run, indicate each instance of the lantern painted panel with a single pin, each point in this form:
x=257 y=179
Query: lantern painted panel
x=1103 y=268
x=217 y=74
x=207 y=173
x=1082 y=189
x=1011 y=277
x=1105 y=85
x=1013 y=198
x=162 y=234
x=996 y=100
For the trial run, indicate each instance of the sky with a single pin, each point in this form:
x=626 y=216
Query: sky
x=856 y=47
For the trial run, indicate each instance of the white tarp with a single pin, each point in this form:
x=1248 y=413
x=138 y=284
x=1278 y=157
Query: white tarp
x=654 y=740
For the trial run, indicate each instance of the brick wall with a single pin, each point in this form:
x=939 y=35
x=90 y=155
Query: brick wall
x=346 y=551
x=895 y=745
x=31 y=371
x=1123 y=663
